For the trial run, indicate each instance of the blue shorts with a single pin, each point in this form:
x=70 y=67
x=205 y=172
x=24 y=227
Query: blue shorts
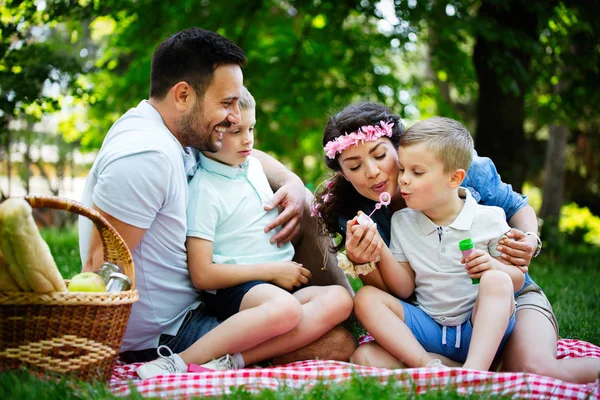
x=226 y=302
x=432 y=337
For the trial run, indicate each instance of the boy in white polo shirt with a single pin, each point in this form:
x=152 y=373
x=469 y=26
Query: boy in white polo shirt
x=453 y=317
x=247 y=278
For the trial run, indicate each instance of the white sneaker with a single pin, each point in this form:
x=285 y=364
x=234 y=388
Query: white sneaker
x=436 y=363
x=163 y=365
x=225 y=363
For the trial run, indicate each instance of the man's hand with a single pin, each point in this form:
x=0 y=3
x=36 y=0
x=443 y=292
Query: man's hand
x=288 y=274
x=291 y=199
x=518 y=248
x=477 y=263
x=363 y=244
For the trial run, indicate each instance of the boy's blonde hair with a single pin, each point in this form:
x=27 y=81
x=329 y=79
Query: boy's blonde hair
x=449 y=139
x=246 y=101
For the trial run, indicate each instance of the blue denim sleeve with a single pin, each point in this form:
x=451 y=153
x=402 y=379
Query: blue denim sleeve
x=486 y=186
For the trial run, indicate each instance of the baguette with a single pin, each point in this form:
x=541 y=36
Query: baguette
x=28 y=256
x=7 y=283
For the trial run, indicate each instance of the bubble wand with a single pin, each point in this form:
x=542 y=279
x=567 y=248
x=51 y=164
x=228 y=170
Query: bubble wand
x=384 y=200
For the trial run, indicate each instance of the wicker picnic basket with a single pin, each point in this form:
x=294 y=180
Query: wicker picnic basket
x=76 y=334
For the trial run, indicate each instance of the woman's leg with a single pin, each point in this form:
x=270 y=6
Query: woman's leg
x=266 y=311
x=323 y=307
x=532 y=348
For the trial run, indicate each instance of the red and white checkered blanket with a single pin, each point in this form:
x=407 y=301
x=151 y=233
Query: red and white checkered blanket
x=307 y=373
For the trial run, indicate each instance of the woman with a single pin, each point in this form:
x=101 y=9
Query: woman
x=366 y=168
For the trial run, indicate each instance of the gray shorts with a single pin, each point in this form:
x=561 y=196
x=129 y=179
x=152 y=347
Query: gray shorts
x=533 y=298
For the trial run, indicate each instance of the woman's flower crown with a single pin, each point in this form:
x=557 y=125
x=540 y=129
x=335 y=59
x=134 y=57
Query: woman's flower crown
x=367 y=133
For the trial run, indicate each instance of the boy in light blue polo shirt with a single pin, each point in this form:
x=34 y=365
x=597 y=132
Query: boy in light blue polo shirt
x=452 y=317
x=248 y=280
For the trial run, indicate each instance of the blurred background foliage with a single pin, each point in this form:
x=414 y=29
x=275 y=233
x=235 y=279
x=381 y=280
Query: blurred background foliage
x=522 y=75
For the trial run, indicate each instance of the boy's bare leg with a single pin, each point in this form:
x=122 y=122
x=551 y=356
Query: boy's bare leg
x=383 y=317
x=313 y=252
x=265 y=312
x=492 y=311
x=323 y=308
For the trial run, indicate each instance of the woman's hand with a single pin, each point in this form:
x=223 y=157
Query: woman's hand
x=477 y=263
x=518 y=248
x=363 y=244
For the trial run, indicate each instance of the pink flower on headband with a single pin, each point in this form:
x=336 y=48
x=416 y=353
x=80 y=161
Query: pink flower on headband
x=366 y=133
x=314 y=210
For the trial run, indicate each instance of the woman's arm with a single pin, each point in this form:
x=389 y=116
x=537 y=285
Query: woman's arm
x=487 y=187
x=519 y=248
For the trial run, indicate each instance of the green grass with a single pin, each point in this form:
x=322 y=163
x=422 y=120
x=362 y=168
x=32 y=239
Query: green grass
x=569 y=276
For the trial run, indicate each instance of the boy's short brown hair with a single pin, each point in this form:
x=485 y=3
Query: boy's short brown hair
x=449 y=139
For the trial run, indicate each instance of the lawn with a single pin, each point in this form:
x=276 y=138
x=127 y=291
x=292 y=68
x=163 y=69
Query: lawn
x=570 y=277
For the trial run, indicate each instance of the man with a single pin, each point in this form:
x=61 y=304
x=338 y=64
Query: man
x=138 y=182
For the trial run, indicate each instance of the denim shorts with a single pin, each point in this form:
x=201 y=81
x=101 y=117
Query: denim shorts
x=196 y=324
x=450 y=341
x=226 y=302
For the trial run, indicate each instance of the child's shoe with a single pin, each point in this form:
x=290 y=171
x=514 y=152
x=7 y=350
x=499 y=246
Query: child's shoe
x=436 y=363
x=225 y=363
x=163 y=365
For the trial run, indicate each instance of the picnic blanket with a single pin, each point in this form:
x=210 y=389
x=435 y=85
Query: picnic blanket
x=306 y=374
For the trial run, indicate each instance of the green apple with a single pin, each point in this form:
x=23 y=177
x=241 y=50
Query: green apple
x=87 y=282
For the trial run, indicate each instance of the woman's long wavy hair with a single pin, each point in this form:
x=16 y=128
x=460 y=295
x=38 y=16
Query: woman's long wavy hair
x=337 y=197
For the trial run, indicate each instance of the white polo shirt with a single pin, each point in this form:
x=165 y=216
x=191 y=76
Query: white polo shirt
x=138 y=177
x=443 y=288
x=226 y=207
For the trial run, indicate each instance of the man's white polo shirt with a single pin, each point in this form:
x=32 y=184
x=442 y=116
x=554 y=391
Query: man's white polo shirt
x=138 y=177
x=443 y=288
x=226 y=207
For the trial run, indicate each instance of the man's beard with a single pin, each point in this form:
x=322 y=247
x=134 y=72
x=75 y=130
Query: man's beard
x=190 y=131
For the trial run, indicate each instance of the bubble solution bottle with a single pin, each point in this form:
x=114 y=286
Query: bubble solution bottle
x=466 y=246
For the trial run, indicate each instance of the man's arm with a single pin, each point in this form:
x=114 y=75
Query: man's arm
x=132 y=236
x=207 y=276
x=289 y=196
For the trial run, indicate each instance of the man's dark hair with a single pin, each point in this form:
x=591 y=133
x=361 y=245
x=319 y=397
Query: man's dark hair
x=191 y=55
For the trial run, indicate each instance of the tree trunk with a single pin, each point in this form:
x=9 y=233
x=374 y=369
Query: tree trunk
x=501 y=105
x=554 y=182
x=554 y=172
x=8 y=160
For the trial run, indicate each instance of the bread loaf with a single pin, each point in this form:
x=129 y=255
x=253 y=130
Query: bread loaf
x=30 y=262
x=7 y=283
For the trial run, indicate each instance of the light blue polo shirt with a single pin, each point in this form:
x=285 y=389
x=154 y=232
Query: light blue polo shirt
x=226 y=207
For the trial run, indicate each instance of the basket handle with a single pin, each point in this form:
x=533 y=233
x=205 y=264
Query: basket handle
x=114 y=248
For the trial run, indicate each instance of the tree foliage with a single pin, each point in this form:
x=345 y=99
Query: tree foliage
x=506 y=68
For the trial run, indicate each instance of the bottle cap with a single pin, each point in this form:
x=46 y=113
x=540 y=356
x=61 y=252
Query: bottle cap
x=465 y=244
